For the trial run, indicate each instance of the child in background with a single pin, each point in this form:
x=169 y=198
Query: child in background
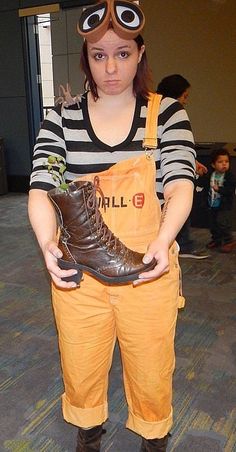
x=220 y=201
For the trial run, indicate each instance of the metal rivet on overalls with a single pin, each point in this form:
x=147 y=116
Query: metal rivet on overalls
x=148 y=153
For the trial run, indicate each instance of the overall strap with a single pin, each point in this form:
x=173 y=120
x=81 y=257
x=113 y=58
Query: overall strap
x=150 y=138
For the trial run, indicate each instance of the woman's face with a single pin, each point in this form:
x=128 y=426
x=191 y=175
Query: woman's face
x=113 y=63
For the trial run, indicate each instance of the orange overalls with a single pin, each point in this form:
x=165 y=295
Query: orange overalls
x=143 y=318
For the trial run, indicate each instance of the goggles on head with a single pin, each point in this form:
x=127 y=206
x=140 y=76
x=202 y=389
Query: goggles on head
x=126 y=17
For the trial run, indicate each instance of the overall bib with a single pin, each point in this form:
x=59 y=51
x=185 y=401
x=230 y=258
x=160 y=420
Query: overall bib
x=143 y=318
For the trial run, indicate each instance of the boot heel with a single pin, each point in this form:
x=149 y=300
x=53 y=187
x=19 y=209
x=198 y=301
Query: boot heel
x=68 y=266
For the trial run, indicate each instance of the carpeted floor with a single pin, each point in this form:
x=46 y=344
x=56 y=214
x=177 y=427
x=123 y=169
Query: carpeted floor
x=205 y=376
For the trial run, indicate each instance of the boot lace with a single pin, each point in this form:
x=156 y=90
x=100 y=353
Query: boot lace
x=104 y=232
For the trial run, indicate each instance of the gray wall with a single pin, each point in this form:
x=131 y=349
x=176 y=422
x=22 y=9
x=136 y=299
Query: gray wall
x=66 y=47
x=13 y=110
x=197 y=38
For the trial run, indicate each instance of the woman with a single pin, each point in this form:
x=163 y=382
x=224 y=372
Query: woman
x=99 y=134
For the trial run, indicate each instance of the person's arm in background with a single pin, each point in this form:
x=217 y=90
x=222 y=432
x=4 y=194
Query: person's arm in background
x=229 y=186
x=200 y=168
x=50 y=142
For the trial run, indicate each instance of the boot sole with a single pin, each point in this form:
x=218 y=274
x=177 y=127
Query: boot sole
x=65 y=265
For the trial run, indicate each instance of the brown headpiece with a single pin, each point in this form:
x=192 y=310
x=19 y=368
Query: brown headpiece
x=126 y=17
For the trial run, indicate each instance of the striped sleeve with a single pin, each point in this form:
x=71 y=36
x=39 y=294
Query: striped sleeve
x=176 y=143
x=50 y=142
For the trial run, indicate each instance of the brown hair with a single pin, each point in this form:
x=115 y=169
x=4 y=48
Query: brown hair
x=142 y=81
x=173 y=86
x=216 y=153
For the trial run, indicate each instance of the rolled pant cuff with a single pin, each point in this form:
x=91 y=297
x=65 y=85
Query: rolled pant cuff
x=149 y=430
x=84 y=417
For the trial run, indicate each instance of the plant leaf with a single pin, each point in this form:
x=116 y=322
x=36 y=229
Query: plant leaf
x=62 y=169
x=63 y=186
x=52 y=159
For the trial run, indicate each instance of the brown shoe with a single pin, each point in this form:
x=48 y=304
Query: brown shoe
x=87 y=243
x=212 y=245
x=228 y=247
x=155 y=445
x=89 y=440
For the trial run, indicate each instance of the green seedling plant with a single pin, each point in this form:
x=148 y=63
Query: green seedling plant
x=59 y=161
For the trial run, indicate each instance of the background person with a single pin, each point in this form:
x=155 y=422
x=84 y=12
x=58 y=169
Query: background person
x=177 y=87
x=221 y=185
x=102 y=132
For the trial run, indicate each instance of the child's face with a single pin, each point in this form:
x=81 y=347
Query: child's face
x=221 y=164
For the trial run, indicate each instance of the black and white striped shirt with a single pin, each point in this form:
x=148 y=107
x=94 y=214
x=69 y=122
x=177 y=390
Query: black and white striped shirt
x=67 y=132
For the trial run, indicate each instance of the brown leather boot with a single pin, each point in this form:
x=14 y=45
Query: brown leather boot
x=89 y=440
x=154 y=445
x=86 y=242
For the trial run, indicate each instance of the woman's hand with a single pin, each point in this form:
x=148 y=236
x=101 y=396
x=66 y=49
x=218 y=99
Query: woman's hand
x=43 y=220
x=51 y=253
x=160 y=251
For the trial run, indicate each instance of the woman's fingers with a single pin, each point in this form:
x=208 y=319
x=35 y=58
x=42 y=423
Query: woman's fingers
x=156 y=272
x=162 y=257
x=57 y=274
x=63 y=284
x=56 y=271
x=159 y=270
x=51 y=254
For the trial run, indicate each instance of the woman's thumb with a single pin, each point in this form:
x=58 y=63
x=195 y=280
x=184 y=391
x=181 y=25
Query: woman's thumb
x=147 y=258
